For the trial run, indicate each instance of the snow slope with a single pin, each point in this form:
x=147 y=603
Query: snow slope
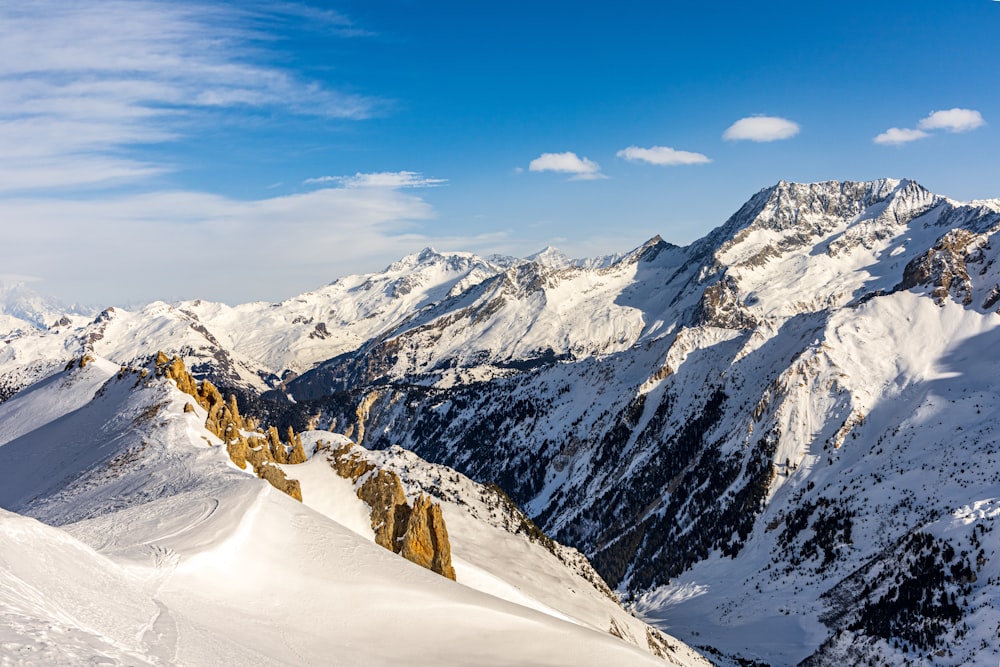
x=756 y=439
x=160 y=551
x=492 y=548
x=733 y=430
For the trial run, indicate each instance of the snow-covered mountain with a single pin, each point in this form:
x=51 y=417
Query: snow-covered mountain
x=776 y=443
x=733 y=430
x=157 y=549
x=22 y=308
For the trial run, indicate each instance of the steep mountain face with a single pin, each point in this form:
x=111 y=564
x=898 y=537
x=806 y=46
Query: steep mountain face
x=778 y=442
x=757 y=402
x=160 y=550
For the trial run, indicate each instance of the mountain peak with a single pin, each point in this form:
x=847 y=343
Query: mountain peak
x=427 y=256
x=23 y=305
x=552 y=258
x=647 y=252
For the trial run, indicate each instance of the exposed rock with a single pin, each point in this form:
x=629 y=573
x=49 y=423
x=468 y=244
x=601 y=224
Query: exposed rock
x=383 y=492
x=418 y=534
x=173 y=369
x=320 y=331
x=721 y=307
x=426 y=539
x=79 y=363
x=362 y=414
x=238 y=451
x=298 y=453
x=349 y=464
x=276 y=478
x=944 y=268
x=992 y=298
x=224 y=418
x=658 y=644
x=275 y=447
x=225 y=421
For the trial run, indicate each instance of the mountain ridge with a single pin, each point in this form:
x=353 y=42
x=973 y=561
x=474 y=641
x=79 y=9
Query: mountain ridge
x=721 y=428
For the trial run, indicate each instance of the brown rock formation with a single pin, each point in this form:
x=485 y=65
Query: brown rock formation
x=275 y=446
x=426 y=539
x=298 y=454
x=174 y=370
x=348 y=464
x=238 y=451
x=276 y=478
x=224 y=420
x=418 y=534
x=383 y=492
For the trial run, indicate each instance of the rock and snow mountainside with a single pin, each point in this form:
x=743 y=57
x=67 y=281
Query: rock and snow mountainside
x=158 y=550
x=778 y=443
x=760 y=438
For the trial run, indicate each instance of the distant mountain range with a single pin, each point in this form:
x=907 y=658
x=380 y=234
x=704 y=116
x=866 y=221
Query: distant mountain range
x=778 y=443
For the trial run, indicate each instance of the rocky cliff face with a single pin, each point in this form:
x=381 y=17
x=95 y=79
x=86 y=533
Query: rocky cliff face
x=425 y=541
x=945 y=267
x=798 y=395
x=762 y=365
x=224 y=421
x=417 y=533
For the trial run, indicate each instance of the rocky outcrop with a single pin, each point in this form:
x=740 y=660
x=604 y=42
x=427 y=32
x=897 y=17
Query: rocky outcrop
x=348 y=466
x=425 y=541
x=722 y=307
x=944 y=268
x=276 y=478
x=225 y=421
x=383 y=492
x=416 y=533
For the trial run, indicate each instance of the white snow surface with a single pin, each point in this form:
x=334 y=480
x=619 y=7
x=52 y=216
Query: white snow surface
x=885 y=401
x=159 y=551
x=488 y=554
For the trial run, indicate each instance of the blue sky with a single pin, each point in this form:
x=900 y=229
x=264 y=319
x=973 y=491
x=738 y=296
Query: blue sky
x=241 y=151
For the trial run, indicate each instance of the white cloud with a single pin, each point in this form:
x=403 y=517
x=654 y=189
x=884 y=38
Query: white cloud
x=953 y=120
x=159 y=245
x=662 y=155
x=761 y=128
x=83 y=85
x=383 y=179
x=895 y=136
x=582 y=168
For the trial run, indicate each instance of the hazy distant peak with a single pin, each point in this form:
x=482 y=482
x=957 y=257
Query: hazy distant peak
x=24 y=307
x=552 y=257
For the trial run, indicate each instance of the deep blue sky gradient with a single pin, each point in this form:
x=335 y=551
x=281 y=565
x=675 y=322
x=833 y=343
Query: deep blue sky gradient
x=472 y=92
x=475 y=90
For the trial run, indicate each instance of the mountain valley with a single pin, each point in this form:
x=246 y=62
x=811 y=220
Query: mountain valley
x=777 y=444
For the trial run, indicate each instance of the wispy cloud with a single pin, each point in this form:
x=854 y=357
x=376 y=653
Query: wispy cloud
x=383 y=179
x=84 y=85
x=662 y=155
x=895 y=136
x=761 y=129
x=953 y=120
x=950 y=120
x=278 y=246
x=582 y=169
x=324 y=20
